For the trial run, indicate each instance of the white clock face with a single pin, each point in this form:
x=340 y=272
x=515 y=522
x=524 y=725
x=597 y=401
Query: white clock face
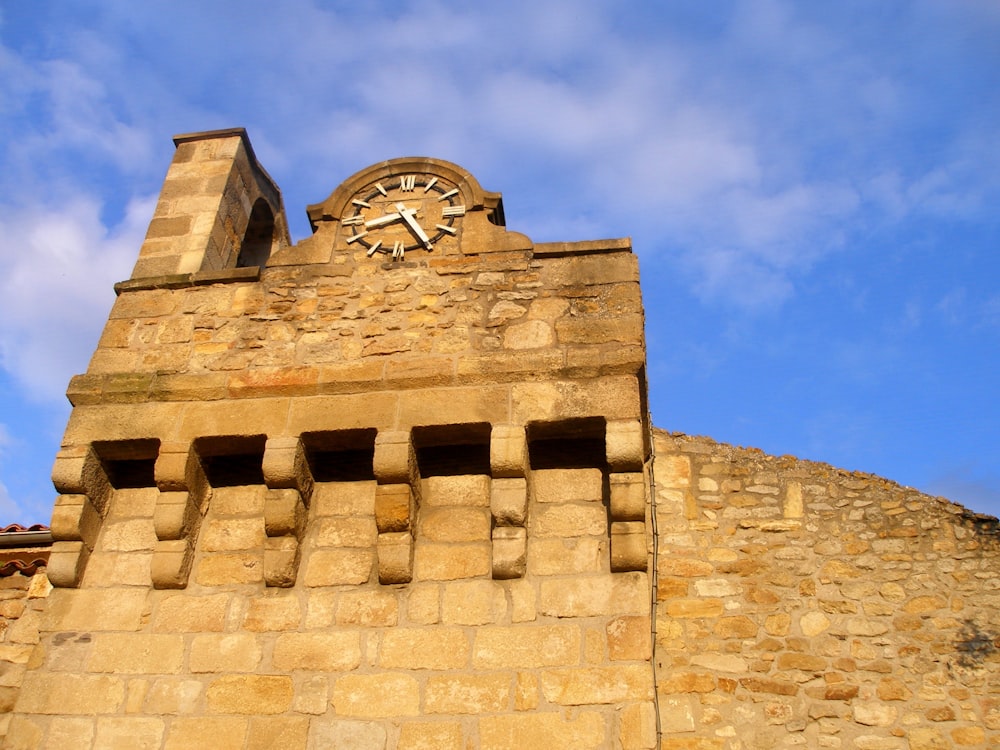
x=403 y=212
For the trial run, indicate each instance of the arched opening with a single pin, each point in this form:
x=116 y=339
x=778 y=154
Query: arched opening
x=256 y=246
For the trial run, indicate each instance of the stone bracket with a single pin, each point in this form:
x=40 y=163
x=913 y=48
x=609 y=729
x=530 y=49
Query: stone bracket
x=627 y=507
x=509 y=499
x=180 y=508
x=397 y=498
x=290 y=487
x=80 y=509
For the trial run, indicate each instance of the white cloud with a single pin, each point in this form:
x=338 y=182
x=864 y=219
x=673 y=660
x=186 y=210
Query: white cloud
x=55 y=287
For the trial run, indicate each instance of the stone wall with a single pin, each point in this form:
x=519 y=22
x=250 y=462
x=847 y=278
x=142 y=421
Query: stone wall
x=803 y=605
x=22 y=600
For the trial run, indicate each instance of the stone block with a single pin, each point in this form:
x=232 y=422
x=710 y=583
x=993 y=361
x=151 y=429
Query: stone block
x=430 y=735
x=344 y=499
x=276 y=611
x=526 y=646
x=568 y=520
x=268 y=732
x=345 y=531
x=508 y=450
x=395 y=507
x=424 y=648
x=376 y=696
x=395 y=557
x=468 y=694
x=567 y=485
x=629 y=638
x=583 y=730
x=395 y=461
x=93 y=610
x=347 y=734
x=224 y=652
x=250 y=694
x=368 y=608
x=67 y=561
x=74 y=518
x=509 y=501
x=454 y=524
x=593 y=685
x=216 y=732
x=284 y=512
x=448 y=562
x=589 y=596
x=174 y=515
x=224 y=569
x=628 y=546
x=281 y=560
x=136 y=653
x=468 y=490
x=336 y=567
x=509 y=552
x=338 y=651
x=171 y=564
x=479 y=602
x=625 y=444
x=70 y=694
x=567 y=556
x=628 y=496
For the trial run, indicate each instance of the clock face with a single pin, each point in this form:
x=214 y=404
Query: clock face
x=403 y=212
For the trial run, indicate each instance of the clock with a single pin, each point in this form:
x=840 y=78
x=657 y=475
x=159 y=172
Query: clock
x=404 y=212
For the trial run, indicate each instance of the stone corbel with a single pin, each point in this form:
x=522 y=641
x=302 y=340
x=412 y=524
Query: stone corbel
x=397 y=497
x=180 y=508
x=509 y=499
x=80 y=509
x=625 y=449
x=286 y=506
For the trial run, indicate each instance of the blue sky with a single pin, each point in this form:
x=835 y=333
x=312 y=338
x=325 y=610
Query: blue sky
x=812 y=190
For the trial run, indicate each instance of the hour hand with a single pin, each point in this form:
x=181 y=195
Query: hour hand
x=382 y=220
x=407 y=214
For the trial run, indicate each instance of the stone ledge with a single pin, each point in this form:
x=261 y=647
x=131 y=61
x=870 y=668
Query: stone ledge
x=184 y=280
x=550 y=249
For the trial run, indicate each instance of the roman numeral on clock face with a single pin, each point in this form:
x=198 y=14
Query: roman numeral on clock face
x=453 y=211
x=407 y=182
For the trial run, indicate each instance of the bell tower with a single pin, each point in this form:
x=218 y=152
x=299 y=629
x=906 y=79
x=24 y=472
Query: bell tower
x=390 y=482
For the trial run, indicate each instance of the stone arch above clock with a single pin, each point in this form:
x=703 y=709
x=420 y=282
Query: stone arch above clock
x=417 y=206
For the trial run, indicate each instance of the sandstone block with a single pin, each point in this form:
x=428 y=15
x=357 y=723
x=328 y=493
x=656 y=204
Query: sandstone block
x=67 y=561
x=68 y=693
x=394 y=507
x=621 y=594
x=468 y=694
x=508 y=451
x=568 y=520
x=93 y=610
x=281 y=611
x=346 y=734
x=509 y=552
x=173 y=516
x=567 y=485
x=419 y=648
x=128 y=733
x=334 y=567
x=547 y=557
x=554 y=731
x=136 y=653
x=509 y=501
x=628 y=496
x=629 y=638
x=593 y=685
x=628 y=546
x=625 y=445
x=328 y=652
x=395 y=460
x=250 y=694
x=228 y=652
x=376 y=696
x=526 y=647
x=367 y=608
x=281 y=561
x=455 y=524
x=216 y=732
x=472 y=603
x=469 y=490
x=231 y=534
x=284 y=512
x=355 y=499
x=395 y=557
x=430 y=735
x=345 y=531
x=269 y=732
x=171 y=564
x=223 y=569
x=448 y=562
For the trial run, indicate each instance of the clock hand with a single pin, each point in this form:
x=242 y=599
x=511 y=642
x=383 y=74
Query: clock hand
x=407 y=214
x=382 y=220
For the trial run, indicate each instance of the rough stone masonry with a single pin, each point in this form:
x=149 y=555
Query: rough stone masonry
x=395 y=487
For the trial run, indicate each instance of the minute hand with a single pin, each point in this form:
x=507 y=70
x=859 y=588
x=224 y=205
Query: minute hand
x=407 y=214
